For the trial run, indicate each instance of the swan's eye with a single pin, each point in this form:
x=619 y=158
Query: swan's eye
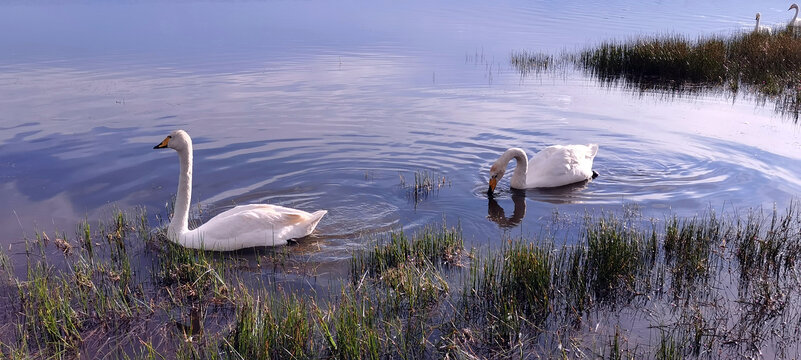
x=169 y=136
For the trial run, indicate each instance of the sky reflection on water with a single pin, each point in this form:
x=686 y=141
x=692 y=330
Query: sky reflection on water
x=325 y=104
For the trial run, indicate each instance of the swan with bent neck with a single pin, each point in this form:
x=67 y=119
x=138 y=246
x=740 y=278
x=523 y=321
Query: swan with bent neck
x=244 y=226
x=554 y=166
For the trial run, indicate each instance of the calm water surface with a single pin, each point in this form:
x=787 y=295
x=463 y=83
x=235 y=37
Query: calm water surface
x=328 y=104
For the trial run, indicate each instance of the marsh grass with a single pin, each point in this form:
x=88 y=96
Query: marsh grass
x=765 y=65
x=432 y=245
x=352 y=328
x=272 y=326
x=531 y=62
x=425 y=184
x=192 y=274
x=408 y=296
x=617 y=256
x=690 y=250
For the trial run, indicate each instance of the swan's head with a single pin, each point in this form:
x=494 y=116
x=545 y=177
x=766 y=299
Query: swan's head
x=757 y=17
x=794 y=6
x=496 y=173
x=178 y=140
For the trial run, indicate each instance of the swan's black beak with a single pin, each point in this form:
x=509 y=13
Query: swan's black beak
x=492 y=184
x=163 y=143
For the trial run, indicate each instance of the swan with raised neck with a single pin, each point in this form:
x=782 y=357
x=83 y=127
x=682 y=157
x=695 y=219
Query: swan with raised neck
x=759 y=28
x=241 y=227
x=794 y=21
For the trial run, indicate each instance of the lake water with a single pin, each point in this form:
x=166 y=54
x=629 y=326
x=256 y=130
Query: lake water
x=328 y=104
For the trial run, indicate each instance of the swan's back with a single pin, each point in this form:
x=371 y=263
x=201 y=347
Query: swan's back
x=255 y=225
x=560 y=165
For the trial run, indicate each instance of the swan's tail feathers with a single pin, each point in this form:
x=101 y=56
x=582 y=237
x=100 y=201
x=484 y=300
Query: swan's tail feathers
x=315 y=218
x=593 y=150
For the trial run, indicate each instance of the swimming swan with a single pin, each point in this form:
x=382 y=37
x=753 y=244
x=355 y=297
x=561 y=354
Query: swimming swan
x=762 y=28
x=238 y=228
x=794 y=21
x=553 y=166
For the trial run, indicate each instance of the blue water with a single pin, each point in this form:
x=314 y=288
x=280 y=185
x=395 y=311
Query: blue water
x=328 y=104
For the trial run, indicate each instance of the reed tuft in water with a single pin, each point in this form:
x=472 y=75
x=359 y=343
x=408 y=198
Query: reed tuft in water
x=765 y=64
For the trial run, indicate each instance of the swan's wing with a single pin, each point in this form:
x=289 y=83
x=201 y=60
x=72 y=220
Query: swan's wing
x=561 y=165
x=254 y=215
x=258 y=225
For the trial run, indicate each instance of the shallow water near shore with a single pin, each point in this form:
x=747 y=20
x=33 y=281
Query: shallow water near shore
x=317 y=105
x=341 y=105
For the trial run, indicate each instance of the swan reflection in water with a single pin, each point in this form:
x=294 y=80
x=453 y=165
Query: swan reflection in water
x=568 y=194
x=495 y=212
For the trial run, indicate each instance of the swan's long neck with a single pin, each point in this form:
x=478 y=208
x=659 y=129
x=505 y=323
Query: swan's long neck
x=518 y=180
x=795 y=17
x=756 y=28
x=180 y=218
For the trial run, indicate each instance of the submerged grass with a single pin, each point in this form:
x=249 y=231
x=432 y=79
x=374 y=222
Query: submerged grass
x=408 y=296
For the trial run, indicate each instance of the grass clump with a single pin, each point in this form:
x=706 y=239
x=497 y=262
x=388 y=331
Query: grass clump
x=689 y=248
x=508 y=292
x=48 y=311
x=351 y=329
x=671 y=59
x=769 y=65
x=767 y=248
x=191 y=273
x=413 y=288
x=425 y=183
x=616 y=257
x=272 y=326
x=436 y=246
x=64 y=309
x=531 y=62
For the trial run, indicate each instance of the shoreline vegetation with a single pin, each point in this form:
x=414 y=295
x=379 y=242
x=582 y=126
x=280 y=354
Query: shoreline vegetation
x=765 y=65
x=622 y=286
x=616 y=285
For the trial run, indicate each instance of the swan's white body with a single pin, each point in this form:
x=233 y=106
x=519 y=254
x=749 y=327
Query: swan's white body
x=761 y=28
x=553 y=166
x=794 y=21
x=243 y=226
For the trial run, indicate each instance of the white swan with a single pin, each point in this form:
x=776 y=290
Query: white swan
x=553 y=166
x=761 y=28
x=794 y=21
x=238 y=228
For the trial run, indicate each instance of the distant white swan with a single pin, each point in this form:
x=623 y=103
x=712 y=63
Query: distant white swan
x=794 y=21
x=243 y=226
x=553 y=166
x=761 y=28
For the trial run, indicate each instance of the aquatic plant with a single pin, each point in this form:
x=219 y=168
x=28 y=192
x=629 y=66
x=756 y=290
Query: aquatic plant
x=767 y=64
x=531 y=62
x=425 y=183
x=763 y=64
x=272 y=326
x=438 y=246
x=409 y=296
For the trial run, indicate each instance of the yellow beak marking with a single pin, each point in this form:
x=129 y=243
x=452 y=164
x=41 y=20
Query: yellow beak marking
x=163 y=143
